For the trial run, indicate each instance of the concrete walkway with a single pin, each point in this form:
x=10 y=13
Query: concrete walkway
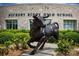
x=49 y=50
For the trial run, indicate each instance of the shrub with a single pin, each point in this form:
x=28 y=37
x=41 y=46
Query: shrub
x=65 y=31
x=50 y=40
x=22 y=39
x=72 y=35
x=61 y=35
x=15 y=31
x=64 y=46
x=22 y=35
x=2 y=31
x=9 y=37
x=6 y=36
x=5 y=40
x=25 y=31
x=3 y=50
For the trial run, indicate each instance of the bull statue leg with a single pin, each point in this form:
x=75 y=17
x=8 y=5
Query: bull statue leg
x=40 y=45
x=43 y=44
x=30 y=41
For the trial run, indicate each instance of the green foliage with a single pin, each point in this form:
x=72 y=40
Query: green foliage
x=22 y=36
x=72 y=35
x=5 y=40
x=65 y=31
x=50 y=40
x=22 y=39
x=15 y=31
x=64 y=46
x=24 y=31
x=7 y=43
x=3 y=51
x=61 y=35
x=9 y=37
x=6 y=36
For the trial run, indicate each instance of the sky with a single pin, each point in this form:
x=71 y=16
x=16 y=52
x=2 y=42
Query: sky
x=10 y=4
x=14 y=2
x=39 y=1
x=7 y=4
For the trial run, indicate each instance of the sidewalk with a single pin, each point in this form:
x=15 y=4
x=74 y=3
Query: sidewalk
x=49 y=50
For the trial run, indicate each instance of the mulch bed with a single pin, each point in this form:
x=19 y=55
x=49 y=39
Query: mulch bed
x=17 y=52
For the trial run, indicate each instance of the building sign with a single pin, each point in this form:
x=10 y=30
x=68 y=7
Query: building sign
x=16 y=14
x=44 y=14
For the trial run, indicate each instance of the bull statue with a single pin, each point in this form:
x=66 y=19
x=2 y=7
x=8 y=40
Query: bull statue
x=41 y=31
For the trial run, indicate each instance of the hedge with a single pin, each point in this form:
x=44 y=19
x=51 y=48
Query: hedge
x=6 y=36
x=21 y=36
x=15 y=31
x=65 y=31
x=64 y=46
x=72 y=35
x=67 y=34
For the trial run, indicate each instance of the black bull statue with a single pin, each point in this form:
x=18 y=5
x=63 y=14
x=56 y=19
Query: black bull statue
x=41 y=32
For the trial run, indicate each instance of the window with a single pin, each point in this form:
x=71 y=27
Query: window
x=70 y=24
x=11 y=24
